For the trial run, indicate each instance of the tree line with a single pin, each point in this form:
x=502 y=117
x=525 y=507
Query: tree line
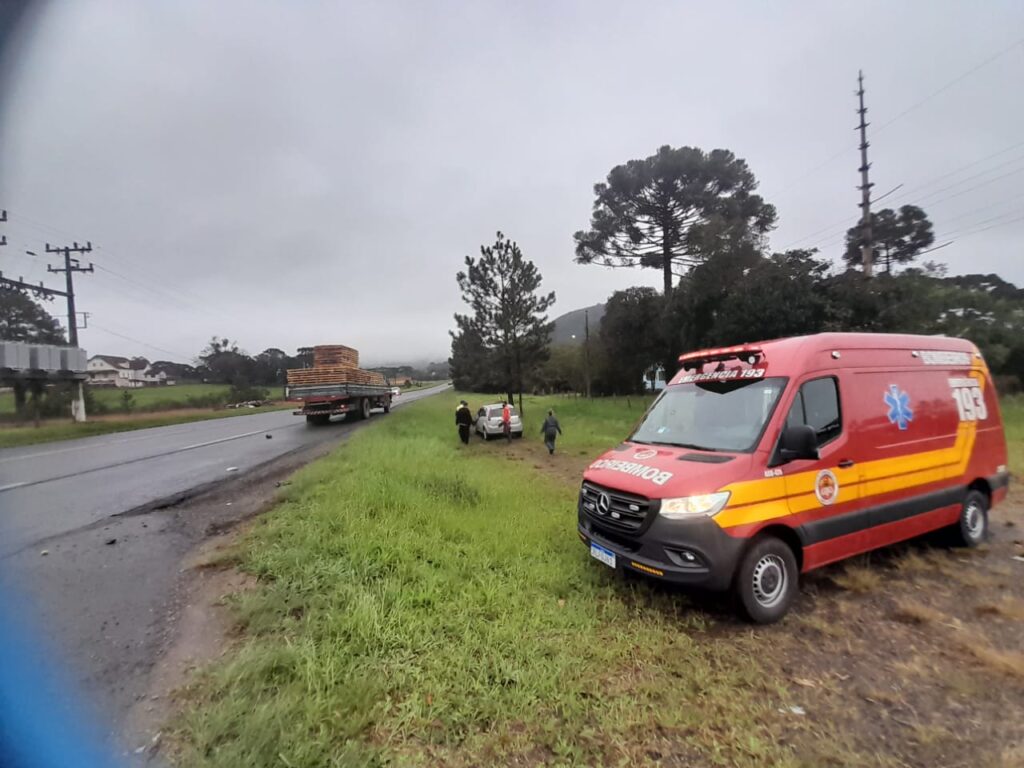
x=696 y=217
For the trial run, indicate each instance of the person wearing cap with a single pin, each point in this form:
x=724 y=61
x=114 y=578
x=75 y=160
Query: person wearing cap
x=463 y=420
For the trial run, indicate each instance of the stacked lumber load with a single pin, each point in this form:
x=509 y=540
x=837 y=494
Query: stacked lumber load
x=335 y=355
x=334 y=364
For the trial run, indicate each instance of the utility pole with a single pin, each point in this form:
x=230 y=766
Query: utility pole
x=586 y=349
x=71 y=265
x=866 y=245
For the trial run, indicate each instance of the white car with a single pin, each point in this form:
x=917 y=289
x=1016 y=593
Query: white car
x=395 y=391
x=488 y=422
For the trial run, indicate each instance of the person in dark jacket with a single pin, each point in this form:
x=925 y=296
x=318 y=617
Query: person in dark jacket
x=463 y=420
x=550 y=429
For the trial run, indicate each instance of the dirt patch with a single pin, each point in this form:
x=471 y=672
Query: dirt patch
x=201 y=636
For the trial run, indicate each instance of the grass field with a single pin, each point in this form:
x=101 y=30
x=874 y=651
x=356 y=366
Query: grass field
x=146 y=398
x=430 y=604
x=1013 y=422
x=421 y=603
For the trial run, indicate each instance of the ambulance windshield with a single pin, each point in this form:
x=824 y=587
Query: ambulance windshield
x=711 y=416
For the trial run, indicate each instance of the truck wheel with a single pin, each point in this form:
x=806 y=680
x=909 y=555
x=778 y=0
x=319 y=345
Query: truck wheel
x=364 y=408
x=387 y=405
x=767 y=580
x=972 y=527
x=317 y=419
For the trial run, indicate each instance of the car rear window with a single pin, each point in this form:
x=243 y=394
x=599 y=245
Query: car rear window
x=495 y=412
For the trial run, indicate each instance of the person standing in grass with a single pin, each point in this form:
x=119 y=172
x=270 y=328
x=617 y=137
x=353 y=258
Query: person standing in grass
x=463 y=420
x=550 y=429
x=506 y=420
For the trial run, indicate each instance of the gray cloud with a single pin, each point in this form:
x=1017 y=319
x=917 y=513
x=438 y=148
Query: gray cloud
x=295 y=173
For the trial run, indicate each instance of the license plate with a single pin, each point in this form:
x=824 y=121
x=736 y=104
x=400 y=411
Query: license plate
x=606 y=556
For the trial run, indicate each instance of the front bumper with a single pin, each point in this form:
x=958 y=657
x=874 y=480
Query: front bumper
x=663 y=548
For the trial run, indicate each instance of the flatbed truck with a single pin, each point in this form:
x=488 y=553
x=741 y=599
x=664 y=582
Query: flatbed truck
x=321 y=401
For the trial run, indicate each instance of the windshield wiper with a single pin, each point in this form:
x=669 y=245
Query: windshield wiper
x=691 y=446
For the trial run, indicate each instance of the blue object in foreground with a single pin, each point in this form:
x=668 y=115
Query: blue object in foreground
x=41 y=723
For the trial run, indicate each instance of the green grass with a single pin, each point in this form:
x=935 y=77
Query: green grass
x=146 y=398
x=1012 y=409
x=429 y=604
x=50 y=431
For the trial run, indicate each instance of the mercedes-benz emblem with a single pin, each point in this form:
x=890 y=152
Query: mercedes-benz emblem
x=604 y=504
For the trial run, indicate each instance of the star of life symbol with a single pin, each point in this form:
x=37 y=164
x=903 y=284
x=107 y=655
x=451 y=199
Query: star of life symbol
x=900 y=412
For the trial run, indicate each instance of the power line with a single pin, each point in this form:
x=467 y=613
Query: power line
x=846 y=222
x=176 y=294
x=905 y=112
x=951 y=83
x=142 y=343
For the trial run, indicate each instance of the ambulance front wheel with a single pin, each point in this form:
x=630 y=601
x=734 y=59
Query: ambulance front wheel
x=972 y=526
x=767 y=580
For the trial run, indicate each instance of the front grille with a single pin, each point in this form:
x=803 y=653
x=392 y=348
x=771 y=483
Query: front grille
x=625 y=512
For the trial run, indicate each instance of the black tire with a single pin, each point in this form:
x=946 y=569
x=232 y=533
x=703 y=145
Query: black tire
x=318 y=419
x=387 y=405
x=972 y=527
x=364 y=408
x=767 y=580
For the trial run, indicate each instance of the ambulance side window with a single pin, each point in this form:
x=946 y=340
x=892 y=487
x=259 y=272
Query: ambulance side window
x=817 y=405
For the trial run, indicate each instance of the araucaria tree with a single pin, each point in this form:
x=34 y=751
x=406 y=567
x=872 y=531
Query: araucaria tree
x=668 y=211
x=898 y=237
x=509 y=314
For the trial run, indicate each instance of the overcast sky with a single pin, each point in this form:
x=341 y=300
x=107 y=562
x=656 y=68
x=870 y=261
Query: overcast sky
x=291 y=173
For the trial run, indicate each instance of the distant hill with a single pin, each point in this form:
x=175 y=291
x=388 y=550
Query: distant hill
x=573 y=324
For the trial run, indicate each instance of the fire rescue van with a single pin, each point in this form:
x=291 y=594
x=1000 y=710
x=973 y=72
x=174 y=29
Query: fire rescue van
x=763 y=461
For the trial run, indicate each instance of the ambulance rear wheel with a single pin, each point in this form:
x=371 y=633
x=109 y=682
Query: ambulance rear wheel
x=972 y=526
x=767 y=580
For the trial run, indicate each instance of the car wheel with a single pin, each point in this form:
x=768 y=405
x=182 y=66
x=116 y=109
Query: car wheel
x=767 y=580
x=972 y=527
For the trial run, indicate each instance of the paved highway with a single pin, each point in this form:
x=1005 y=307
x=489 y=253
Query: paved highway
x=48 y=490
x=103 y=588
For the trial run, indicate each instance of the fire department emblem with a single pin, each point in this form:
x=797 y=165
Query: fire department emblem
x=647 y=453
x=826 y=487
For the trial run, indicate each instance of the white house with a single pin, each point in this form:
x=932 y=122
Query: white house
x=114 y=371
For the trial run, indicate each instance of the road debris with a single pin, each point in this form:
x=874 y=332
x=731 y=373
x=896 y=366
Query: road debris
x=270 y=437
x=231 y=469
x=110 y=542
x=44 y=553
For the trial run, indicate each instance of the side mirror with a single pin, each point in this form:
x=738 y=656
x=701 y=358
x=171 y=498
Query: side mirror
x=798 y=442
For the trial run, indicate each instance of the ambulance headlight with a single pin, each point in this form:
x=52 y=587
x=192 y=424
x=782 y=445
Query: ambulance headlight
x=705 y=505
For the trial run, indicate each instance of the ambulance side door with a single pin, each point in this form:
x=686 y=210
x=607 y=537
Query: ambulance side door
x=821 y=488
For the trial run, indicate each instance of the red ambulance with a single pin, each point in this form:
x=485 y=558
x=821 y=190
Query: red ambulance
x=760 y=462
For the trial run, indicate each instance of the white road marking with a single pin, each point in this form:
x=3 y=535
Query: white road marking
x=97 y=444
x=11 y=486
